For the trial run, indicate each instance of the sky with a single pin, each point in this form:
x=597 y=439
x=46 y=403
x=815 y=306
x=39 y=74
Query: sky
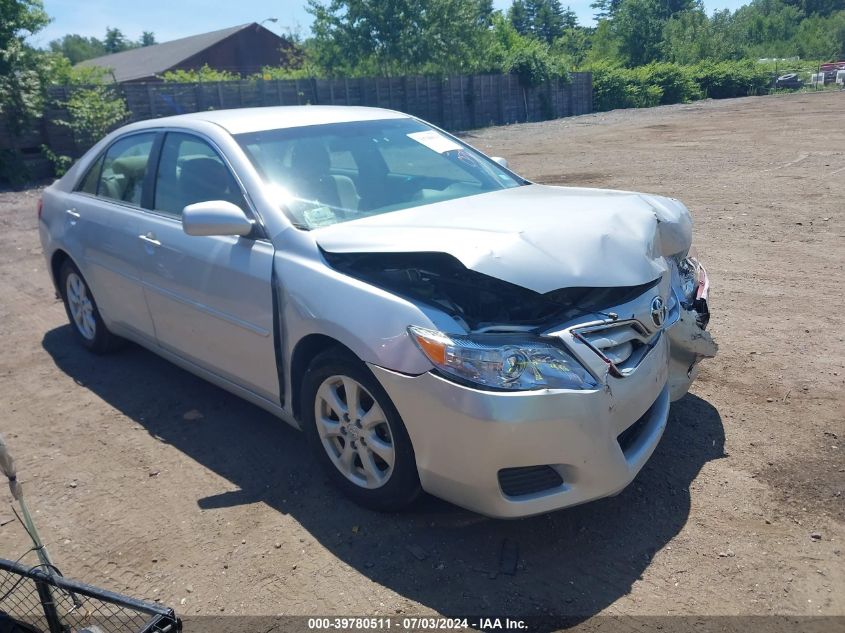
x=171 y=20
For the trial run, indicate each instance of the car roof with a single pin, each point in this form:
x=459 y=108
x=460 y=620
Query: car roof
x=243 y=120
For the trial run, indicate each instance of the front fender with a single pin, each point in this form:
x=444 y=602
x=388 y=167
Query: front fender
x=371 y=322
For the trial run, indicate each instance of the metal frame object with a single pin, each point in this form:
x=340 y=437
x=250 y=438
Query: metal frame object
x=45 y=601
x=39 y=599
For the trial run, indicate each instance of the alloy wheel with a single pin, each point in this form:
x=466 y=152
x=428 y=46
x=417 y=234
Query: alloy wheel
x=354 y=432
x=81 y=306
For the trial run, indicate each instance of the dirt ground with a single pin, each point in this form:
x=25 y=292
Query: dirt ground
x=739 y=511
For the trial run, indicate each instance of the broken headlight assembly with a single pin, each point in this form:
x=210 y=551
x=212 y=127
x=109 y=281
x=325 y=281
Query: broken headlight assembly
x=692 y=285
x=502 y=361
x=688 y=272
x=691 y=280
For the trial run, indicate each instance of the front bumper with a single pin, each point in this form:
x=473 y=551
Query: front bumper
x=464 y=437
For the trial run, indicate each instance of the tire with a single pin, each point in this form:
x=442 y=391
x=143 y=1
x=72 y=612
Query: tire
x=82 y=311
x=343 y=447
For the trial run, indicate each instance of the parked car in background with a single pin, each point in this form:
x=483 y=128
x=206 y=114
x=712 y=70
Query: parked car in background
x=430 y=319
x=790 y=81
x=830 y=70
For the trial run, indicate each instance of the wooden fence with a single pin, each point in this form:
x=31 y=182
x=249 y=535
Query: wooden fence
x=454 y=103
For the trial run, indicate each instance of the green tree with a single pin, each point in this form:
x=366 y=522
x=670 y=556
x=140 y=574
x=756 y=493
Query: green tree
x=78 y=48
x=822 y=38
x=766 y=28
x=519 y=17
x=115 y=41
x=604 y=46
x=821 y=7
x=638 y=29
x=548 y=23
x=574 y=45
x=399 y=37
x=569 y=18
x=148 y=38
x=605 y=9
x=542 y=19
x=20 y=79
x=633 y=34
x=690 y=36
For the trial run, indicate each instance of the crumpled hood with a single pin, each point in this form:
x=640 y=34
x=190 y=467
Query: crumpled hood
x=539 y=237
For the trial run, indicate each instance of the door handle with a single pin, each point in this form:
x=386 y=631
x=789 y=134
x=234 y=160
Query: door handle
x=73 y=214
x=149 y=238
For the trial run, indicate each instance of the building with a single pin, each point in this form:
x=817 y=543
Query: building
x=243 y=49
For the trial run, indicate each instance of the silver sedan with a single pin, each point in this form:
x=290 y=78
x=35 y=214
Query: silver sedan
x=430 y=319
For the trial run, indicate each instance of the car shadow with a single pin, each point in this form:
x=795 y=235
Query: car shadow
x=571 y=563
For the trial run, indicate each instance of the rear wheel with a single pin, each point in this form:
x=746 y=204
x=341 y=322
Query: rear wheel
x=357 y=433
x=82 y=312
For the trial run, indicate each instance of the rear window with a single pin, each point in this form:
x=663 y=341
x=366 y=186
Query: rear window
x=125 y=168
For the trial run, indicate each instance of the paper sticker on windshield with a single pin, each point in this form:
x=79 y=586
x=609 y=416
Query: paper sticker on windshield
x=435 y=141
x=319 y=216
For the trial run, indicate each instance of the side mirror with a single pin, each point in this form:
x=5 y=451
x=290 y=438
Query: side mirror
x=215 y=217
x=502 y=161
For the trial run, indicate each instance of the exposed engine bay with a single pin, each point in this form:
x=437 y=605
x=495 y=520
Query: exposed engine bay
x=478 y=301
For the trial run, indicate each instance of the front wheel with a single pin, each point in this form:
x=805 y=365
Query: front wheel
x=357 y=433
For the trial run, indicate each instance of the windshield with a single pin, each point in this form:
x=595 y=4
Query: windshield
x=326 y=174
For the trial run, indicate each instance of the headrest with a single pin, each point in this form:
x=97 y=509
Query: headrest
x=132 y=166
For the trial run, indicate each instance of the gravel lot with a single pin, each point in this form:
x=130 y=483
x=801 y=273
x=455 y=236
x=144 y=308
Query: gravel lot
x=150 y=481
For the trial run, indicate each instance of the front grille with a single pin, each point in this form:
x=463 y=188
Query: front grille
x=623 y=343
x=526 y=480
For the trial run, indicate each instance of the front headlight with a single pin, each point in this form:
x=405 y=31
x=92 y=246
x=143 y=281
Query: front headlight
x=502 y=361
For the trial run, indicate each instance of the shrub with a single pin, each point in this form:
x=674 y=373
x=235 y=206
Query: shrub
x=663 y=83
x=617 y=87
x=197 y=76
x=610 y=87
x=13 y=170
x=59 y=71
x=675 y=81
x=721 y=80
x=534 y=64
x=270 y=73
x=643 y=96
x=60 y=162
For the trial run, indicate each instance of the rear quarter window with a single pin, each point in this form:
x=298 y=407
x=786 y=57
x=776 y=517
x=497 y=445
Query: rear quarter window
x=88 y=184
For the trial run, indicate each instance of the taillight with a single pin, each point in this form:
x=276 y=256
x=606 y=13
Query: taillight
x=40 y=207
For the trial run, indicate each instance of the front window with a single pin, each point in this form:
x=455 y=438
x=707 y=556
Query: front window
x=191 y=171
x=325 y=174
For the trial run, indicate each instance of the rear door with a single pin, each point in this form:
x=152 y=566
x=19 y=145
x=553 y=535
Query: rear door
x=210 y=296
x=103 y=221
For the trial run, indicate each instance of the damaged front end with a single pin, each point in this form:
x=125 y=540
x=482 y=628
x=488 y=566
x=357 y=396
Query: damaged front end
x=688 y=337
x=503 y=347
x=503 y=293
x=505 y=322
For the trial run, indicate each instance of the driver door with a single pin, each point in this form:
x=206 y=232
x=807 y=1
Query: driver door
x=210 y=297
